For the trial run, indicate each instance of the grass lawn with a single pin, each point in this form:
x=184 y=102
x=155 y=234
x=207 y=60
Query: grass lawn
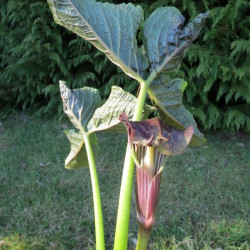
x=204 y=202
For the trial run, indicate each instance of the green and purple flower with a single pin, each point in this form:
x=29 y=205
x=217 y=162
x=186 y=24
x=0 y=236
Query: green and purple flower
x=152 y=142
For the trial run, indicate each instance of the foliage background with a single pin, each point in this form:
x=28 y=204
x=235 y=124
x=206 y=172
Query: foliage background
x=35 y=54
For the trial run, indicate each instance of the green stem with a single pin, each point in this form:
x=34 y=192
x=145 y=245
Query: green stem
x=99 y=231
x=123 y=213
x=140 y=102
x=143 y=238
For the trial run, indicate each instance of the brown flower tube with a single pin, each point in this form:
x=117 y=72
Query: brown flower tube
x=148 y=185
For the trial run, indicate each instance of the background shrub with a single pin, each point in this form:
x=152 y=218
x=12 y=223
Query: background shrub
x=35 y=54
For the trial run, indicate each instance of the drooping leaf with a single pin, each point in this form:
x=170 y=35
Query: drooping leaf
x=78 y=155
x=79 y=104
x=168 y=99
x=166 y=40
x=110 y=28
x=107 y=116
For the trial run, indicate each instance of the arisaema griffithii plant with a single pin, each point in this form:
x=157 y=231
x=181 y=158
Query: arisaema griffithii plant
x=114 y=30
x=151 y=142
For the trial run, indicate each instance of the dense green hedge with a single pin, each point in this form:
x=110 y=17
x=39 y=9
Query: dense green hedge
x=35 y=53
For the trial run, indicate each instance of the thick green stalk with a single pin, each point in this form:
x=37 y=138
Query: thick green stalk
x=99 y=231
x=123 y=213
x=143 y=238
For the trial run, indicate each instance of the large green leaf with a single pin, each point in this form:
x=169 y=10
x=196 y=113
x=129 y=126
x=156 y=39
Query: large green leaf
x=79 y=104
x=165 y=39
x=78 y=155
x=168 y=99
x=110 y=28
x=119 y=101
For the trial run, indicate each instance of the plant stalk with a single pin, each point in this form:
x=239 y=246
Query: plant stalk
x=99 y=231
x=143 y=238
x=123 y=213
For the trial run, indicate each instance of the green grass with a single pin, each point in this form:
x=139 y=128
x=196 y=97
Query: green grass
x=204 y=202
